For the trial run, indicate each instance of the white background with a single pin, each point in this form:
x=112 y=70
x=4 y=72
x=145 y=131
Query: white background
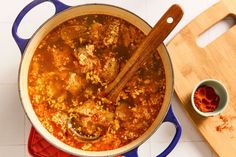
x=14 y=126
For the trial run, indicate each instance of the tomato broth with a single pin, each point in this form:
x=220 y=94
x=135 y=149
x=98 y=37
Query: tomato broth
x=74 y=63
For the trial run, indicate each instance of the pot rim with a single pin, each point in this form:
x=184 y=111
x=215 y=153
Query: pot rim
x=75 y=151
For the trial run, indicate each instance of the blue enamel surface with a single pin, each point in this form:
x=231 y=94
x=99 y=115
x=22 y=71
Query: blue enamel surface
x=170 y=117
x=23 y=42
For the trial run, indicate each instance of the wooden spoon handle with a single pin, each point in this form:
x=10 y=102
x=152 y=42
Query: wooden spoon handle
x=156 y=36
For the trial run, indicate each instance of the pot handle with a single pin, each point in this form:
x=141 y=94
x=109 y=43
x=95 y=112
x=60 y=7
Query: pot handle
x=23 y=42
x=170 y=117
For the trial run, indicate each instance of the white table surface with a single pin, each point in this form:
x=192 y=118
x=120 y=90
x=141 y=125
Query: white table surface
x=15 y=127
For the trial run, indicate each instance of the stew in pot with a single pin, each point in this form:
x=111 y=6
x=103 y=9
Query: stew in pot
x=74 y=63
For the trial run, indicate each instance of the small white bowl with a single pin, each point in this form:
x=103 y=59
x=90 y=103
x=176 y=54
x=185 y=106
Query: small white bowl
x=220 y=91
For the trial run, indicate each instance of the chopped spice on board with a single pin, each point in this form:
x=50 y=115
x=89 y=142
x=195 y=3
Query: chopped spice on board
x=206 y=99
x=225 y=125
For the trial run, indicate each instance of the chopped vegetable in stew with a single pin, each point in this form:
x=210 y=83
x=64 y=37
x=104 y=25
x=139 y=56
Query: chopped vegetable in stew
x=74 y=63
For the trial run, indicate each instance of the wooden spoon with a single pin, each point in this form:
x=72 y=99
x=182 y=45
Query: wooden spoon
x=156 y=36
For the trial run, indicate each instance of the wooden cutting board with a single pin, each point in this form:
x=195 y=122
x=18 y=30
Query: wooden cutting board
x=215 y=61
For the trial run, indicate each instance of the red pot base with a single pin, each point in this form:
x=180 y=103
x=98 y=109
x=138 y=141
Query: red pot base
x=39 y=147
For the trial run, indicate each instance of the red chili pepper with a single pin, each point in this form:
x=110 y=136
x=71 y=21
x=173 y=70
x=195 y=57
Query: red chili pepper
x=206 y=99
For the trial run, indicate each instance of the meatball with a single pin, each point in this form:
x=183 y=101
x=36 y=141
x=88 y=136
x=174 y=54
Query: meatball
x=75 y=84
x=110 y=70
